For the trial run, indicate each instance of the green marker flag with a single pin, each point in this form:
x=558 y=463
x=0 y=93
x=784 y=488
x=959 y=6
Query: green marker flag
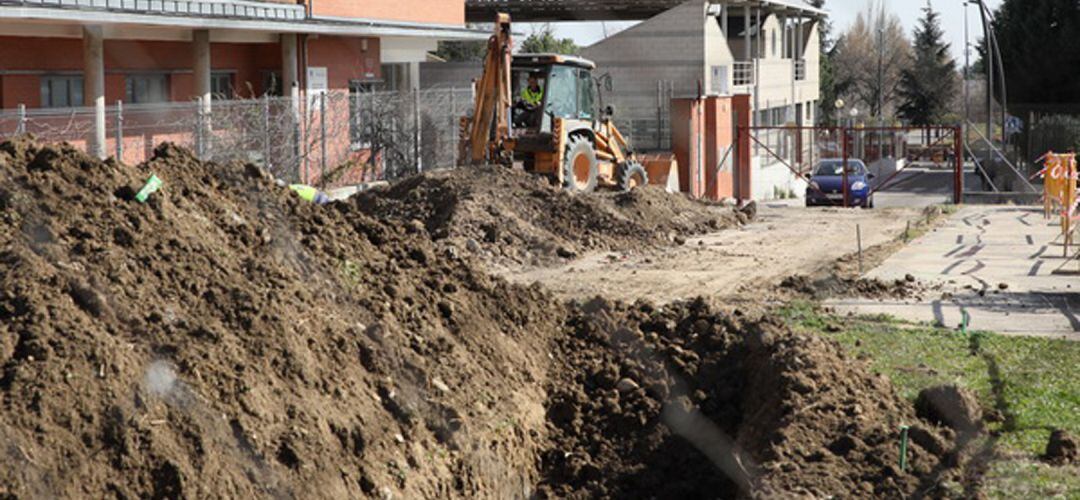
x=903 y=447
x=152 y=185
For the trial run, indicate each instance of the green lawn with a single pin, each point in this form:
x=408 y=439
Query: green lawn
x=1033 y=383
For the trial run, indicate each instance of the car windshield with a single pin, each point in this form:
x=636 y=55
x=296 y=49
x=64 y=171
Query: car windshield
x=830 y=168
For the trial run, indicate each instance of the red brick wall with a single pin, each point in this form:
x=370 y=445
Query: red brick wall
x=43 y=55
x=421 y=11
x=344 y=59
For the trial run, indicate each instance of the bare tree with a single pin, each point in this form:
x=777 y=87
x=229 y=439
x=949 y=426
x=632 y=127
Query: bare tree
x=870 y=60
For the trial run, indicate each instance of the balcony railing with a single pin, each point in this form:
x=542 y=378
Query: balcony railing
x=743 y=73
x=800 y=70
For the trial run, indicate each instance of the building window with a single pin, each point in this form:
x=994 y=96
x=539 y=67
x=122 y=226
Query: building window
x=221 y=85
x=360 y=112
x=395 y=77
x=61 y=91
x=147 y=88
x=774 y=43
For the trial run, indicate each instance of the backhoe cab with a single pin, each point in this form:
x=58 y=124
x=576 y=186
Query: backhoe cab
x=565 y=136
x=550 y=123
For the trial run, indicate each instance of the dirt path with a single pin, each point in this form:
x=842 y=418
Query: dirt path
x=784 y=240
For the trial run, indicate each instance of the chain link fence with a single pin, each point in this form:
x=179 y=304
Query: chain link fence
x=327 y=139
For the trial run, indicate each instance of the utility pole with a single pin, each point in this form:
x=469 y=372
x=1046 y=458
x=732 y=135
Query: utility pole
x=967 y=69
x=966 y=92
x=881 y=84
x=988 y=59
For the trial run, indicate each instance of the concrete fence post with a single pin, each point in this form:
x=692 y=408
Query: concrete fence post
x=267 y=159
x=416 y=131
x=200 y=150
x=297 y=132
x=453 y=124
x=322 y=133
x=120 y=131
x=20 y=129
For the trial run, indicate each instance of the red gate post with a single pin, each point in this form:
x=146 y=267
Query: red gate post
x=845 y=152
x=958 y=156
x=736 y=174
x=798 y=147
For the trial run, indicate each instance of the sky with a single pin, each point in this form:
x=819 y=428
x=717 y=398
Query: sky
x=842 y=13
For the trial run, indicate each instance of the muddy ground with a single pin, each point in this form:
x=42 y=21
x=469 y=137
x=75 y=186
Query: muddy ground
x=226 y=339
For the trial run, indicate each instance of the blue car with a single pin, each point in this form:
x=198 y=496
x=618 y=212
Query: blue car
x=827 y=184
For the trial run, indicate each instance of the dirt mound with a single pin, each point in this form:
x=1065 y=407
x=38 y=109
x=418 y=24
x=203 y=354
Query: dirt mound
x=952 y=406
x=828 y=285
x=511 y=217
x=226 y=339
x=684 y=402
x=1062 y=449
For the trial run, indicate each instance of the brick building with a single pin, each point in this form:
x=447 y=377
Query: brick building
x=765 y=49
x=62 y=54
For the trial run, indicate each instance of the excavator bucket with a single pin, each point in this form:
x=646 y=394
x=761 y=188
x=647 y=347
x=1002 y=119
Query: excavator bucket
x=663 y=170
x=490 y=123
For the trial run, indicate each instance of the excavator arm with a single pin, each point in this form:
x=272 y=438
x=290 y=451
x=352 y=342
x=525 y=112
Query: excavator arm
x=489 y=126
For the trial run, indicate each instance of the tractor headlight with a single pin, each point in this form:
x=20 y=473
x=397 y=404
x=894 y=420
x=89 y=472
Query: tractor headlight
x=858 y=186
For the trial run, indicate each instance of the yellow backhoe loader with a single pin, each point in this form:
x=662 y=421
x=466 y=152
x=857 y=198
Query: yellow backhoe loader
x=542 y=110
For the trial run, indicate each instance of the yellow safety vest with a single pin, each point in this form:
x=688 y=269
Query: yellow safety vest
x=532 y=98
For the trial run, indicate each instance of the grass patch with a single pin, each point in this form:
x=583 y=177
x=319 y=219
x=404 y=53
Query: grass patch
x=1024 y=478
x=1032 y=382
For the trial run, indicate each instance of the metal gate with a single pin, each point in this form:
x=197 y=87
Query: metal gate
x=898 y=154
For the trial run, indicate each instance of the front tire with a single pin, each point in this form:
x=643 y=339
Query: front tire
x=580 y=166
x=631 y=174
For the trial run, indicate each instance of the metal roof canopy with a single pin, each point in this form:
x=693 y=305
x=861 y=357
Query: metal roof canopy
x=84 y=13
x=481 y=11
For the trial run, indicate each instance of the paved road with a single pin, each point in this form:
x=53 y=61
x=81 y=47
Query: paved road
x=970 y=257
x=920 y=186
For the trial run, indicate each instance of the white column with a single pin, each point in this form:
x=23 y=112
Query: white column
x=290 y=72
x=724 y=11
x=746 y=33
x=414 y=75
x=201 y=46
x=94 y=85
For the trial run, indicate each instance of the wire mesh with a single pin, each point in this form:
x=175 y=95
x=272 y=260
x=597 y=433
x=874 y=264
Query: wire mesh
x=326 y=139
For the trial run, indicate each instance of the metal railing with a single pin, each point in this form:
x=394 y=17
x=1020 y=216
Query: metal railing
x=743 y=73
x=327 y=139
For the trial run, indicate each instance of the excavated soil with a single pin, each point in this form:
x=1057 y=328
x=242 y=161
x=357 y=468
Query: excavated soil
x=509 y=217
x=226 y=339
x=687 y=402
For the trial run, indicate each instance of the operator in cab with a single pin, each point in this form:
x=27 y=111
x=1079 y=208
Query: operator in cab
x=528 y=104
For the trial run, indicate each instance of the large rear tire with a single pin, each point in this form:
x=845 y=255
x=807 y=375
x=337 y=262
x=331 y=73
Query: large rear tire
x=580 y=166
x=631 y=174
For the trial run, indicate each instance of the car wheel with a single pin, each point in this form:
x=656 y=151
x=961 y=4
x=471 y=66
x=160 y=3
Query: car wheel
x=870 y=202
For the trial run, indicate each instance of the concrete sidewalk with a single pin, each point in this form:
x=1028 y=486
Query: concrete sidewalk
x=995 y=262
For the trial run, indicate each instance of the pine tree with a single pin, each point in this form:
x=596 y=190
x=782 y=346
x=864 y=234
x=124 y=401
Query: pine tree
x=1040 y=50
x=930 y=84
